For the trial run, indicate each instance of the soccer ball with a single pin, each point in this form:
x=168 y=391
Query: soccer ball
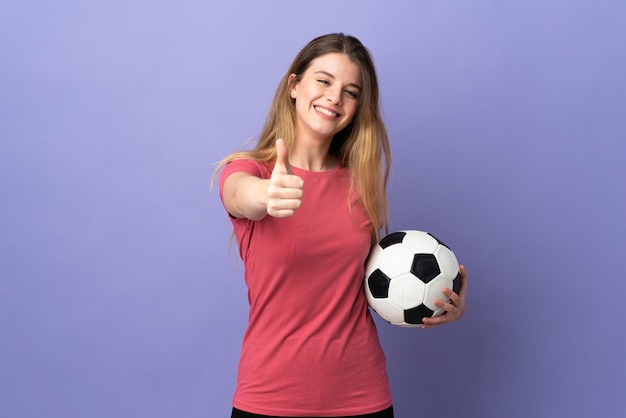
x=404 y=274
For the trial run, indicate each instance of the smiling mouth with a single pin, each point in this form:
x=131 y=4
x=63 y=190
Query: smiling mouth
x=326 y=112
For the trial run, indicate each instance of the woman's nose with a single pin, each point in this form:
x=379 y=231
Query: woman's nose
x=333 y=97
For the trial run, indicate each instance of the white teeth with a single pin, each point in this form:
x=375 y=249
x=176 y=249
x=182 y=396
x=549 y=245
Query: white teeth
x=326 y=112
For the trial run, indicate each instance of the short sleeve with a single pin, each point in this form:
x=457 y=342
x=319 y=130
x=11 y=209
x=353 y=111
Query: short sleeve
x=242 y=226
x=246 y=166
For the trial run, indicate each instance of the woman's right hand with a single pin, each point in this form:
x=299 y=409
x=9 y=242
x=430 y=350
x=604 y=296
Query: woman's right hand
x=285 y=189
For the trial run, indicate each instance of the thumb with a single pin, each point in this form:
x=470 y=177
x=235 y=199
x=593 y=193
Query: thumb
x=282 y=157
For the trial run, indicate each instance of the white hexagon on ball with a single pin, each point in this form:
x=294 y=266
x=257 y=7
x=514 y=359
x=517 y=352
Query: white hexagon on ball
x=406 y=291
x=420 y=242
x=447 y=261
x=387 y=310
x=434 y=290
x=395 y=260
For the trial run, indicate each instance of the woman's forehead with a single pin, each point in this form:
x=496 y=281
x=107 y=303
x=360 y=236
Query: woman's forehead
x=337 y=65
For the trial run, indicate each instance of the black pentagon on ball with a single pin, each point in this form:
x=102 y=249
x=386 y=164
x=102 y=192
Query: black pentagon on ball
x=393 y=238
x=425 y=267
x=378 y=283
x=456 y=283
x=415 y=315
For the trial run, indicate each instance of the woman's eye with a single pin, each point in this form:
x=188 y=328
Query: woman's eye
x=323 y=81
x=352 y=94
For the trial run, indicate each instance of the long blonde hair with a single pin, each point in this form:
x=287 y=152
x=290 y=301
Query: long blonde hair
x=362 y=146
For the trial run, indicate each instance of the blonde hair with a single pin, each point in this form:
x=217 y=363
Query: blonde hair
x=362 y=146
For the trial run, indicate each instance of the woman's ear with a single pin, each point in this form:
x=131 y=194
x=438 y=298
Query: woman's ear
x=293 y=86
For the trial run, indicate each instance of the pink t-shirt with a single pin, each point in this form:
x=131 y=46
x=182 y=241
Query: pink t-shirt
x=311 y=346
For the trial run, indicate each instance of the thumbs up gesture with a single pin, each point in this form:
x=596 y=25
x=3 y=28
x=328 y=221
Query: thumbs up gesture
x=284 y=193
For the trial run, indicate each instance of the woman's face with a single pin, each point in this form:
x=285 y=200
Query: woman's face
x=326 y=97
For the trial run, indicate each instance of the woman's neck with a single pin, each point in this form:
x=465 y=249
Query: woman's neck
x=312 y=156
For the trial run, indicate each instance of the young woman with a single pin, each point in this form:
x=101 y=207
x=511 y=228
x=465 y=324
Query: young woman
x=306 y=205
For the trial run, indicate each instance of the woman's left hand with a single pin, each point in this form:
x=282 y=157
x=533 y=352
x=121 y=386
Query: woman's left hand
x=455 y=307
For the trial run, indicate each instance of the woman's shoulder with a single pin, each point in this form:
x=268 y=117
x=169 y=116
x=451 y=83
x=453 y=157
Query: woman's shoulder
x=247 y=165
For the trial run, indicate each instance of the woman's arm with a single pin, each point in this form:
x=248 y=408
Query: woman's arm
x=247 y=196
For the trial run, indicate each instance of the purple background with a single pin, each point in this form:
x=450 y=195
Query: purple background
x=118 y=295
